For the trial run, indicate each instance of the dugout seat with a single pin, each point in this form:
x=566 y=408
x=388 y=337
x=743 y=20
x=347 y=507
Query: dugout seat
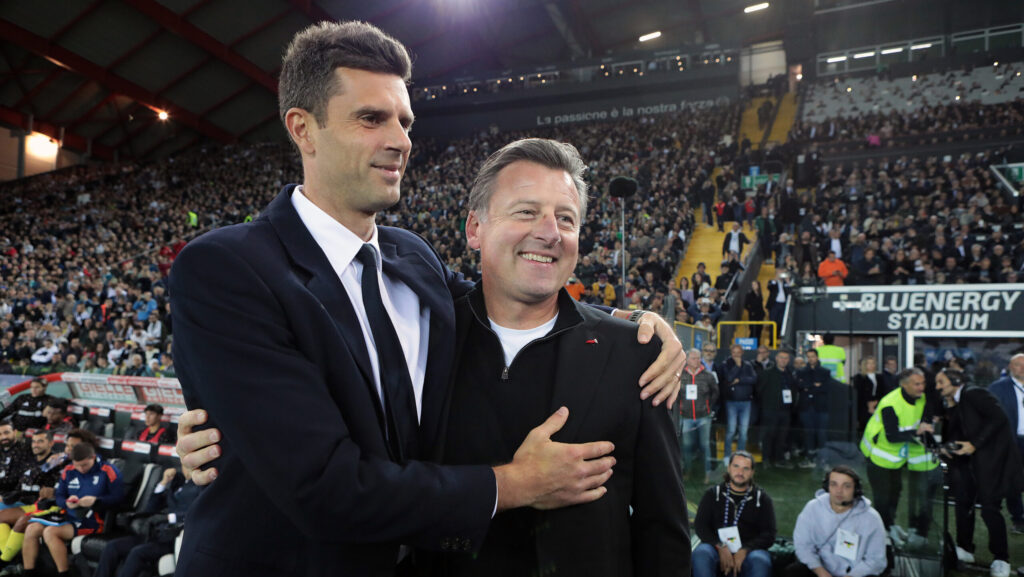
x=99 y=420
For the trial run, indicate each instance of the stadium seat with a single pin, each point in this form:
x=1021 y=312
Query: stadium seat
x=166 y=457
x=99 y=420
x=106 y=448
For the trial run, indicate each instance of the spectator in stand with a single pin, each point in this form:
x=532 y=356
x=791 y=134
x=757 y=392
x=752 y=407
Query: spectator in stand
x=736 y=525
x=604 y=290
x=838 y=533
x=700 y=278
x=813 y=381
x=700 y=397
x=737 y=378
x=832 y=271
x=805 y=251
x=44 y=355
x=26 y=410
x=872 y=269
x=155 y=431
x=87 y=489
x=754 y=305
x=735 y=240
x=776 y=394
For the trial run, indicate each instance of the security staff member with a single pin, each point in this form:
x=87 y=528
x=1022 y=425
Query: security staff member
x=891 y=442
x=26 y=411
x=832 y=357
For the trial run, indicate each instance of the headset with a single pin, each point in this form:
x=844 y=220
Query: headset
x=858 y=488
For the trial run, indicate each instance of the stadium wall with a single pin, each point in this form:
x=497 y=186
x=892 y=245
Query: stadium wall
x=591 y=102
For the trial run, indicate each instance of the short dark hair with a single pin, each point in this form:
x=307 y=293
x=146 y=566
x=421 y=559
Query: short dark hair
x=307 y=78
x=82 y=451
x=58 y=403
x=158 y=409
x=7 y=423
x=47 y=434
x=828 y=338
x=41 y=381
x=87 y=437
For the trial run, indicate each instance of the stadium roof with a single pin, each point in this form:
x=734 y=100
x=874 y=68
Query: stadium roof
x=97 y=72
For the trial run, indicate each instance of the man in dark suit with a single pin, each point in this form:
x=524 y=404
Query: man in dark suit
x=277 y=318
x=988 y=468
x=1009 y=391
x=524 y=348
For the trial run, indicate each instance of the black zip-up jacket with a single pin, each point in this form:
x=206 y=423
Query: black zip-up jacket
x=756 y=523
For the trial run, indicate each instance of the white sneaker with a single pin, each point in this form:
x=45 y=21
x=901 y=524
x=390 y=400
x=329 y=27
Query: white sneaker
x=999 y=569
x=963 y=555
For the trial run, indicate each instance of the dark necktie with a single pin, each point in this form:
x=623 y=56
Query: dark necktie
x=396 y=385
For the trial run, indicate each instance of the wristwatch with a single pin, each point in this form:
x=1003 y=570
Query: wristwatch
x=634 y=317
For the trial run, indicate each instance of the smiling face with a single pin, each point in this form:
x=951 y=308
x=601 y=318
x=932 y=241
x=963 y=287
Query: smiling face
x=528 y=238
x=353 y=165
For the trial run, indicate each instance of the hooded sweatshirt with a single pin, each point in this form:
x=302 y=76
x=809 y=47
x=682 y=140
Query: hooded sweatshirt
x=817 y=528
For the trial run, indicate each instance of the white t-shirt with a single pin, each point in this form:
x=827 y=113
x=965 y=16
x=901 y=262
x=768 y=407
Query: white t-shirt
x=513 y=340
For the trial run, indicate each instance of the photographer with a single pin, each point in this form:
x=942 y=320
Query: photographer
x=981 y=446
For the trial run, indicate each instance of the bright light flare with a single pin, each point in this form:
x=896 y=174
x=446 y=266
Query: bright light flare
x=755 y=7
x=651 y=36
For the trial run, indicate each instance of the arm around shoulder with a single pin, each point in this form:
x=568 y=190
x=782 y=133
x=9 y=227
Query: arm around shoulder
x=243 y=351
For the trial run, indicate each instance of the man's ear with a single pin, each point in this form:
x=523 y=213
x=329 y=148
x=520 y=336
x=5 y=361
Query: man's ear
x=301 y=124
x=473 y=230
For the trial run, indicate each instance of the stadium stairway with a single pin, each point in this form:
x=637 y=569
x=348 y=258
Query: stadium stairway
x=784 y=119
x=748 y=124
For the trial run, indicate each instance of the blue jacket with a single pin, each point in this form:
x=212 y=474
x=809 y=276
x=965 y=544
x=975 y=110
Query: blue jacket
x=102 y=481
x=1002 y=389
x=728 y=372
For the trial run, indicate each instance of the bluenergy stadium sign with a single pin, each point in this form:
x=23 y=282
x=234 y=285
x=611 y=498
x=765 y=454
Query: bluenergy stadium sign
x=967 y=310
x=982 y=307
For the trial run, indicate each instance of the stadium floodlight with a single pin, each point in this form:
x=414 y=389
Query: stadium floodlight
x=651 y=36
x=41 y=146
x=835 y=59
x=863 y=55
x=921 y=46
x=162 y=115
x=755 y=8
x=892 y=50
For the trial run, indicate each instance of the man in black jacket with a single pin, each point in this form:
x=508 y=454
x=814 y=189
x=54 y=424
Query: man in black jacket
x=736 y=525
x=813 y=382
x=986 y=468
x=776 y=393
x=26 y=411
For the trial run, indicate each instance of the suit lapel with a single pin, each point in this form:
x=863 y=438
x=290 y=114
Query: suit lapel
x=324 y=284
x=580 y=369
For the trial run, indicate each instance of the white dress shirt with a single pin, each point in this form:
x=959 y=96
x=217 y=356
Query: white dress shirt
x=411 y=320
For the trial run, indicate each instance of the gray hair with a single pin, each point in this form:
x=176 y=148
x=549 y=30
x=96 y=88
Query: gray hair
x=542 y=151
x=307 y=71
x=905 y=374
